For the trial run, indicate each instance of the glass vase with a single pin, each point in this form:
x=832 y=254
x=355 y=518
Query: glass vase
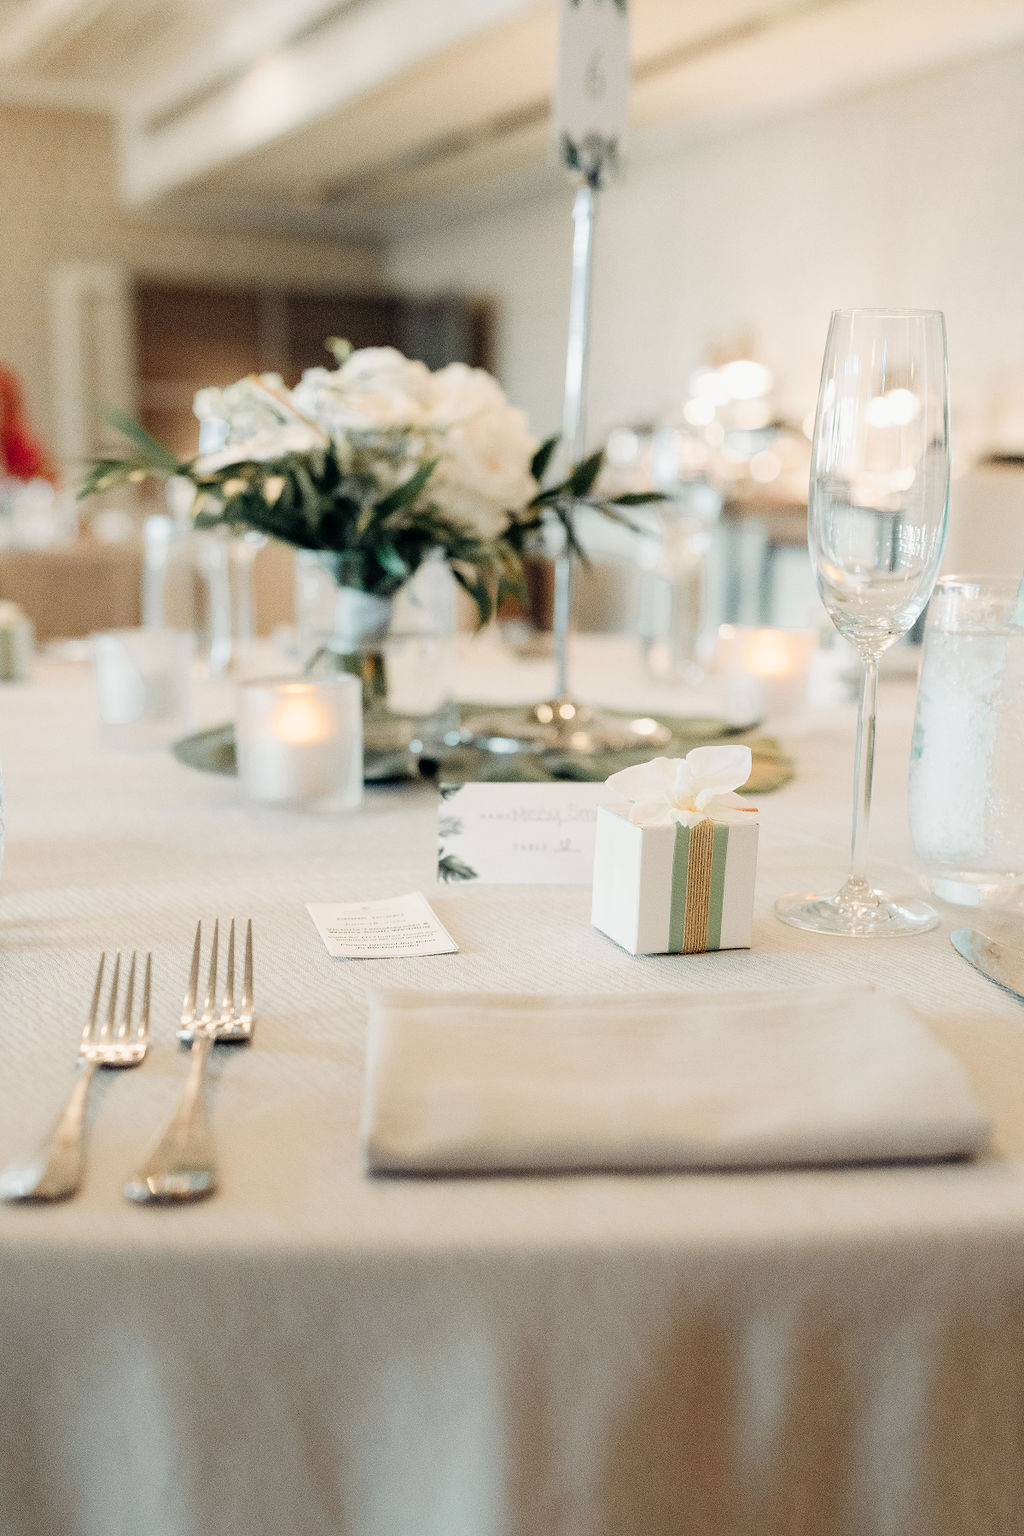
x=401 y=647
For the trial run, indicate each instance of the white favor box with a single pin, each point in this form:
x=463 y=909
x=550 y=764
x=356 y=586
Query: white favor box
x=674 y=890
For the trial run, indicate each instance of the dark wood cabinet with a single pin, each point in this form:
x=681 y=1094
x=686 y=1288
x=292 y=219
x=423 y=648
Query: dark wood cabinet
x=188 y=337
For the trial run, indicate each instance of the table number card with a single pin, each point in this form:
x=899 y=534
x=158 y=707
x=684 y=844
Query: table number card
x=518 y=834
x=592 y=97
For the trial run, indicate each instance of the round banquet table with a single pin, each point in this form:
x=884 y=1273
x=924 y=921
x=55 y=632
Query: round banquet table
x=317 y=1353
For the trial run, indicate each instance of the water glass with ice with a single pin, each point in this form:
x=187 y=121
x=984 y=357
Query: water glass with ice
x=966 y=773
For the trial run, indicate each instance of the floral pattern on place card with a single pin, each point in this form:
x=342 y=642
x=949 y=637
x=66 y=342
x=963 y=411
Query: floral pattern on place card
x=517 y=834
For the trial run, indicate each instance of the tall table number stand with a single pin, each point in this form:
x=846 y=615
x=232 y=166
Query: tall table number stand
x=591 y=109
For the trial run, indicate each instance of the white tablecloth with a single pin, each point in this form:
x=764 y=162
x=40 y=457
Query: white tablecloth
x=314 y=1353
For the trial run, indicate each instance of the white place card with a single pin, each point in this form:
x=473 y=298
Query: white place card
x=518 y=834
x=381 y=930
x=592 y=95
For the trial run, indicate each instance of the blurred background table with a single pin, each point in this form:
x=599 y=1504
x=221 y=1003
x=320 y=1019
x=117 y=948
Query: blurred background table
x=70 y=590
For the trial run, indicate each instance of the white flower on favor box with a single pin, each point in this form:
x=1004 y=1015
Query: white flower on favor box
x=687 y=790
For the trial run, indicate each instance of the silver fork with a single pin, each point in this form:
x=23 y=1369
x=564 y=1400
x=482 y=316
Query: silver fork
x=55 y=1171
x=183 y=1166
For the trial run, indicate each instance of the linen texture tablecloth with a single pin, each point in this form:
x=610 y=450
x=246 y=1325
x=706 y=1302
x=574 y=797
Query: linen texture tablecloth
x=315 y=1353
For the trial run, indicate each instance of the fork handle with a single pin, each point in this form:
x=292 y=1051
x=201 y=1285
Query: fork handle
x=182 y=1167
x=55 y=1171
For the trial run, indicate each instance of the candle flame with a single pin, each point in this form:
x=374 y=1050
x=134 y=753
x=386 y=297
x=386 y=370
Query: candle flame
x=298 y=718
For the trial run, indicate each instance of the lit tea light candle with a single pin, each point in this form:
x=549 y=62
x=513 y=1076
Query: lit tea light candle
x=766 y=670
x=301 y=743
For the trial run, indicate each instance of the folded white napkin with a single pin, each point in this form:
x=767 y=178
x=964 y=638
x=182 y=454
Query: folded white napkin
x=468 y=1083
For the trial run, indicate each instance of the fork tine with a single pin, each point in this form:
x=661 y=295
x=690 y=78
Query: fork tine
x=90 y=1024
x=211 y=985
x=188 y=1007
x=129 y=998
x=107 y=1032
x=143 y=1029
x=247 y=972
x=227 y=1007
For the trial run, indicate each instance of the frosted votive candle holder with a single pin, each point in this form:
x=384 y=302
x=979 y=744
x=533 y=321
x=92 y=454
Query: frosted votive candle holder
x=143 y=685
x=300 y=743
x=766 y=671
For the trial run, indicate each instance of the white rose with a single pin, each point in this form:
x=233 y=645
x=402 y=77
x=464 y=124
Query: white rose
x=485 y=449
x=459 y=392
x=375 y=388
x=297 y=437
x=254 y=407
x=484 y=471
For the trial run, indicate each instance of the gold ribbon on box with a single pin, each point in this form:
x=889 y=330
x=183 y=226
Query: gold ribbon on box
x=698 y=887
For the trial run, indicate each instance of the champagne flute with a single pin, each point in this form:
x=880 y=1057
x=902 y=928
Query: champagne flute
x=876 y=523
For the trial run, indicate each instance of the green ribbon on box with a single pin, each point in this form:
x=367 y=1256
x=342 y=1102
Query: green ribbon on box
x=698 y=887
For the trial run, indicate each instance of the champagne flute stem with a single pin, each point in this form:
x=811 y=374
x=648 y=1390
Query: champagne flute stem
x=857 y=886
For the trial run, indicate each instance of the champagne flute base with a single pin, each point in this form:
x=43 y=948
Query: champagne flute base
x=856 y=912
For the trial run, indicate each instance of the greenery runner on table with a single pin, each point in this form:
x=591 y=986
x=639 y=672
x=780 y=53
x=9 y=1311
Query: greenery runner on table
x=213 y=751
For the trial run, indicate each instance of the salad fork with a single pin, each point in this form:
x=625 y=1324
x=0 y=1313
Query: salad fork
x=55 y=1171
x=183 y=1166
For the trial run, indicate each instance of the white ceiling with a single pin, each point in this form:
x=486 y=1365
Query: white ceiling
x=357 y=114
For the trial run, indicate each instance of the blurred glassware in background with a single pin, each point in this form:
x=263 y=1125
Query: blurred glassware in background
x=672 y=547
x=748 y=446
x=966 y=779
x=35 y=514
x=200 y=581
x=144 y=685
x=17 y=642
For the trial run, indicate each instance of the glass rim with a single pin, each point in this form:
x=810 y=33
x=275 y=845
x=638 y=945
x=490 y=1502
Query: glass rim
x=893 y=314
x=290 y=680
x=993 y=582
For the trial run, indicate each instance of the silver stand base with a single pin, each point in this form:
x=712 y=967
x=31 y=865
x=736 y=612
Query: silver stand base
x=561 y=725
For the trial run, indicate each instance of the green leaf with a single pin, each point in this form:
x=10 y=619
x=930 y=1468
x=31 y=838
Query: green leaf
x=635 y=499
x=542 y=458
x=475 y=584
x=309 y=497
x=450 y=868
x=388 y=557
x=152 y=451
x=108 y=474
x=402 y=495
x=581 y=481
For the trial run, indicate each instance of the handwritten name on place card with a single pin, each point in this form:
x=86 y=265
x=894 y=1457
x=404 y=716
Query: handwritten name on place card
x=518 y=834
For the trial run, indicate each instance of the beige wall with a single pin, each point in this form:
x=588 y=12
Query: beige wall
x=58 y=204
x=908 y=195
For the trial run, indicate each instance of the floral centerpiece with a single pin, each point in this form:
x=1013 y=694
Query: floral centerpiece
x=376 y=465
